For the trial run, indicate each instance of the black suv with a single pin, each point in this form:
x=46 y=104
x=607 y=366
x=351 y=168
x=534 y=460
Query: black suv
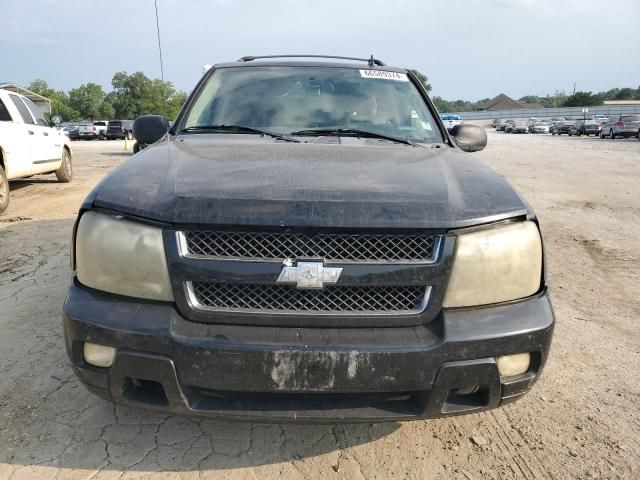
x=308 y=243
x=120 y=129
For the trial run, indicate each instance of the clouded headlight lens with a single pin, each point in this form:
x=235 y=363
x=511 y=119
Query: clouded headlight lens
x=494 y=265
x=122 y=257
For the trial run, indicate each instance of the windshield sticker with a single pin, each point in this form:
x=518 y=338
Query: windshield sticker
x=381 y=74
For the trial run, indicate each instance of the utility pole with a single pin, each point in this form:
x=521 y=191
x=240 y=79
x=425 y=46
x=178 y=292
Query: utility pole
x=574 y=88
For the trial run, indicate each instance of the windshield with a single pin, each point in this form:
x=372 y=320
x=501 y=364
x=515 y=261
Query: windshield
x=290 y=99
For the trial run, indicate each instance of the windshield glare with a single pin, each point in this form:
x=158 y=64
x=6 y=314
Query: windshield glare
x=288 y=99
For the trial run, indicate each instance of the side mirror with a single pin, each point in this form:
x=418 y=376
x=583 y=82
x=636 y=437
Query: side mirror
x=55 y=121
x=149 y=129
x=470 y=138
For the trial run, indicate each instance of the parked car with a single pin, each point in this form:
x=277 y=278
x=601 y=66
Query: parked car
x=508 y=125
x=540 y=126
x=118 y=129
x=97 y=129
x=561 y=127
x=500 y=126
x=585 y=127
x=254 y=266
x=29 y=144
x=601 y=119
x=623 y=126
x=520 y=126
x=451 y=120
x=70 y=131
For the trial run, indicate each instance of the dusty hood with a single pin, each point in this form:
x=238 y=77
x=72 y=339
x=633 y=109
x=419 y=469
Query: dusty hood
x=248 y=180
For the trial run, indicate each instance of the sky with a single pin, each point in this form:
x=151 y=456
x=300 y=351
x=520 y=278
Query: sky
x=469 y=49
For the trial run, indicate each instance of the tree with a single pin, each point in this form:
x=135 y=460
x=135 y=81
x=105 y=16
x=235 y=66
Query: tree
x=582 y=99
x=106 y=110
x=625 y=94
x=423 y=79
x=59 y=100
x=136 y=94
x=86 y=99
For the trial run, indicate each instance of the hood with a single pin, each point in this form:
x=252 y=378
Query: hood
x=248 y=180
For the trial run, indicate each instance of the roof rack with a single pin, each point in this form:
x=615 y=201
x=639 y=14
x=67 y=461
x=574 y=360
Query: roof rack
x=371 y=61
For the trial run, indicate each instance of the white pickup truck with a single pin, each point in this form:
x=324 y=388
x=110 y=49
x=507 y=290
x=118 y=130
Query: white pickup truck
x=96 y=130
x=28 y=144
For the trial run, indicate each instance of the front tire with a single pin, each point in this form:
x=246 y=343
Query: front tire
x=4 y=190
x=611 y=135
x=65 y=172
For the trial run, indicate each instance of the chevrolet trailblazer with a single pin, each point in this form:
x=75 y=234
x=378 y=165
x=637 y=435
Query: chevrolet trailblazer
x=307 y=243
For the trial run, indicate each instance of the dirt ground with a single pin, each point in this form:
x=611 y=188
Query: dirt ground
x=581 y=421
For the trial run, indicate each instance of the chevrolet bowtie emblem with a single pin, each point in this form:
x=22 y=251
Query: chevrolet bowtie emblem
x=309 y=275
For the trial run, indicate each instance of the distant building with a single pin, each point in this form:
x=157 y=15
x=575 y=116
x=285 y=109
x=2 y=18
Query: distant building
x=503 y=102
x=621 y=102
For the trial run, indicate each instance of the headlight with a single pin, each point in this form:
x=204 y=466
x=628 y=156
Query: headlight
x=122 y=257
x=494 y=265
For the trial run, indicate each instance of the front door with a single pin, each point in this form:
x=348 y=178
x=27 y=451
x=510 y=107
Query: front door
x=47 y=142
x=19 y=138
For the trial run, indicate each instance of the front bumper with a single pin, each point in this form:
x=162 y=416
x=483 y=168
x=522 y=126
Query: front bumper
x=323 y=375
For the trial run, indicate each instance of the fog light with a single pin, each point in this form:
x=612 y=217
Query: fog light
x=511 y=365
x=99 y=355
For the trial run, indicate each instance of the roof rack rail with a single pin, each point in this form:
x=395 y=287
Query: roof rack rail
x=371 y=61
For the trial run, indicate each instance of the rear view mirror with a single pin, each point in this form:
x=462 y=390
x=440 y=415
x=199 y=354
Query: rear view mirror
x=470 y=138
x=149 y=129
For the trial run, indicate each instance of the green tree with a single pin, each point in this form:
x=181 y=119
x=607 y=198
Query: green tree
x=582 y=99
x=625 y=94
x=137 y=94
x=424 y=80
x=59 y=100
x=106 y=110
x=87 y=99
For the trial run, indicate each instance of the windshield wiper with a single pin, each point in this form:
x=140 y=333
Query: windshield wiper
x=236 y=129
x=353 y=132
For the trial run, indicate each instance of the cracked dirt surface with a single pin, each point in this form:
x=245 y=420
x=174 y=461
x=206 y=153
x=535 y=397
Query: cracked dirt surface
x=581 y=421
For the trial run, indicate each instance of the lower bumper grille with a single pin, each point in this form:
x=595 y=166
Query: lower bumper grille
x=242 y=297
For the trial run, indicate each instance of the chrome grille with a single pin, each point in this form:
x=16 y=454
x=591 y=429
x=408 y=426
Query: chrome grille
x=282 y=298
x=341 y=246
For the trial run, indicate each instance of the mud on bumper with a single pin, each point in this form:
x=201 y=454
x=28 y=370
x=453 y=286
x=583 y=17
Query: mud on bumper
x=167 y=363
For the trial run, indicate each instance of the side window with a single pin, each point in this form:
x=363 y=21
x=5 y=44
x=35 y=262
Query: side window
x=37 y=113
x=4 y=113
x=24 y=111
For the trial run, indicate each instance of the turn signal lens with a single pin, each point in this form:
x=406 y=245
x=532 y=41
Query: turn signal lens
x=512 y=365
x=99 y=355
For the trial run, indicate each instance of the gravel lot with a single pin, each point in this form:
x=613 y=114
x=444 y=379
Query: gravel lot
x=580 y=422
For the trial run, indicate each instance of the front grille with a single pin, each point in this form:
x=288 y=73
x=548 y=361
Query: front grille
x=283 y=298
x=342 y=246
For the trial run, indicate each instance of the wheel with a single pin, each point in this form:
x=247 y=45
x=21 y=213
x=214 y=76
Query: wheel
x=4 y=190
x=601 y=134
x=65 y=172
x=129 y=136
x=571 y=134
x=136 y=147
x=611 y=135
